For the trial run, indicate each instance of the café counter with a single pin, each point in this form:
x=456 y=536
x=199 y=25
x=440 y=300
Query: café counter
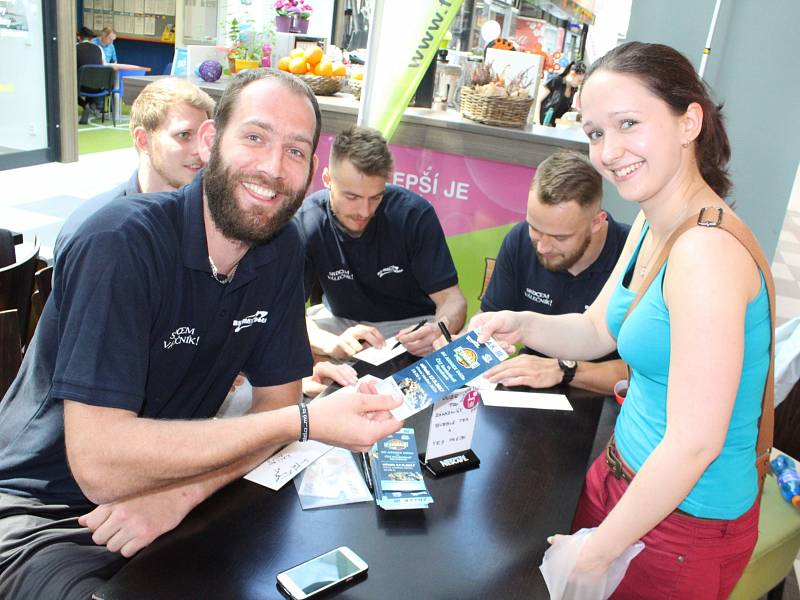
x=443 y=131
x=476 y=176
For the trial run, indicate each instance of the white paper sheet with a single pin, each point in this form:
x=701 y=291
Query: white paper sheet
x=283 y=466
x=378 y=356
x=525 y=400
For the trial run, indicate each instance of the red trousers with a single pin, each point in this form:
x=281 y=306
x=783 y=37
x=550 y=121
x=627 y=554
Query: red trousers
x=684 y=557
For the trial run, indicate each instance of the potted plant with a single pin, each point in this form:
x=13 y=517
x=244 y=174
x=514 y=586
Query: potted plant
x=292 y=15
x=246 y=46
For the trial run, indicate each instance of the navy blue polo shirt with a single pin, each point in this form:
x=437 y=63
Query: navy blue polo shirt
x=387 y=273
x=136 y=322
x=519 y=281
x=91 y=206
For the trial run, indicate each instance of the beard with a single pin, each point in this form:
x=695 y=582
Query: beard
x=567 y=260
x=254 y=226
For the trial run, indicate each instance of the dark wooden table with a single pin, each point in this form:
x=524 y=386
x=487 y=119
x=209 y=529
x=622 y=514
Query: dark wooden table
x=483 y=537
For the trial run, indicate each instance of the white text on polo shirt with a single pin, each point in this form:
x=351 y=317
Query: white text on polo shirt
x=339 y=275
x=539 y=297
x=260 y=316
x=182 y=335
x=389 y=270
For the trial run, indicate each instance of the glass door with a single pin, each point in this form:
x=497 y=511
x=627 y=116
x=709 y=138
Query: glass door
x=28 y=83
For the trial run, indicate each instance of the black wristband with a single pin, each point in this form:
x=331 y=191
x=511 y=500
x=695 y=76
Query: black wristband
x=303 y=421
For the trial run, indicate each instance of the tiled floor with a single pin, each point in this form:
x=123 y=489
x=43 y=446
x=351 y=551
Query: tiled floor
x=36 y=200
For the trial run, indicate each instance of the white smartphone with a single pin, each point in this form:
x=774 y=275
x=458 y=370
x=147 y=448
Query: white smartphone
x=322 y=573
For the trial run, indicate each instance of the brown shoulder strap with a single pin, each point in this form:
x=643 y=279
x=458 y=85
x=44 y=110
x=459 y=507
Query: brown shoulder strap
x=739 y=230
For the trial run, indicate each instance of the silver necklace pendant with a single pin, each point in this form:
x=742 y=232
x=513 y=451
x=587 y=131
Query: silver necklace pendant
x=217 y=276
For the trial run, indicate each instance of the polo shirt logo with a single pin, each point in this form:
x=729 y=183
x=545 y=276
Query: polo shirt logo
x=339 y=275
x=389 y=270
x=182 y=335
x=260 y=316
x=539 y=297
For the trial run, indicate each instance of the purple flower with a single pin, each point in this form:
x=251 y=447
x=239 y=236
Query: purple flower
x=284 y=7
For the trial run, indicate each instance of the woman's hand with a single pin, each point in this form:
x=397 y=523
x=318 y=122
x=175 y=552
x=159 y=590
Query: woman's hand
x=590 y=561
x=505 y=326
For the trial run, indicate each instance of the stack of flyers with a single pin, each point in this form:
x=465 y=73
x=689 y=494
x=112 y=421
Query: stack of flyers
x=396 y=473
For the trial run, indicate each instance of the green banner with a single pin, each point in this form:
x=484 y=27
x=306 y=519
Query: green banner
x=404 y=38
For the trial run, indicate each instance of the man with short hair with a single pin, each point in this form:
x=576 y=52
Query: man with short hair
x=164 y=121
x=555 y=263
x=106 y=42
x=379 y=254
x=159 y=301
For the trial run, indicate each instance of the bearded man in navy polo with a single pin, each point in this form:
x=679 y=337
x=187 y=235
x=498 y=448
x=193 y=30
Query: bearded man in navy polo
x=556 y=262
x=379 y=254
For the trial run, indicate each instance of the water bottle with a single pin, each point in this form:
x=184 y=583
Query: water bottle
x=788 y=479
x=548 y=116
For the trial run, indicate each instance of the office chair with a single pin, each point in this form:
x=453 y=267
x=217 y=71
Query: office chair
x=98 y=81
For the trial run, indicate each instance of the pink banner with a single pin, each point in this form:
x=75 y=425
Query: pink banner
x=467 y=193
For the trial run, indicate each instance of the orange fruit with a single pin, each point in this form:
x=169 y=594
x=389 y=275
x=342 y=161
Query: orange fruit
x=318 y=68
x=297 y=52
x=339 y=69
x=313 y=54
x=283 y=63
x=325 y=68
x=297 y=65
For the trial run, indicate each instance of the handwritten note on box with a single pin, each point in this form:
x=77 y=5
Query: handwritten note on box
x=452 y=424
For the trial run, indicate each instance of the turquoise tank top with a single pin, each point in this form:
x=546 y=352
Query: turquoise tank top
x=729 y=486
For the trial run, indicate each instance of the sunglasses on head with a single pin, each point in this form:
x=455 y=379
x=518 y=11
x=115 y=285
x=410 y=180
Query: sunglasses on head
x=579 y=68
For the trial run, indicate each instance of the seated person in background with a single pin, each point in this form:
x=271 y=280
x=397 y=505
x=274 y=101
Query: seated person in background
x=165 y=118
x=556 y=263
x=159 y=301
x=106 y=43
x=84 y=35
x=379 y=253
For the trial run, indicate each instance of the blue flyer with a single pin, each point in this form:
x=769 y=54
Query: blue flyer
x=398 y=464
x=436 y=375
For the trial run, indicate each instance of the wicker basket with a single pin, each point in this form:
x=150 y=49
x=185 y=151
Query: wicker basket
x=495 y=110
x=323 y=86
x=355 y=87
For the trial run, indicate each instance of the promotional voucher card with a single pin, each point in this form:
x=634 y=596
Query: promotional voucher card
x=441 y=372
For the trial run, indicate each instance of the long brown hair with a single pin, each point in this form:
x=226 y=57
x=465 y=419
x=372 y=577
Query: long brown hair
x=670 y=76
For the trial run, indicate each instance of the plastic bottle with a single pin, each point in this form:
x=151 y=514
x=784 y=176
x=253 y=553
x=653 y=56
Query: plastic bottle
x=548 y=116
x=788 y=479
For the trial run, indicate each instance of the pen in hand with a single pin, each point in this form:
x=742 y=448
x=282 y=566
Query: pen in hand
x=445 y=331
x=365 y=467
x=416 y=327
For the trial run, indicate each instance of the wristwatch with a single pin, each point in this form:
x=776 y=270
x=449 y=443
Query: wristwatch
x=568 y=367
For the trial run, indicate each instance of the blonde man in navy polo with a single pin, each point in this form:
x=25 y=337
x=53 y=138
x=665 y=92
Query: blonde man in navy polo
x=107 y=438
x=379 y=254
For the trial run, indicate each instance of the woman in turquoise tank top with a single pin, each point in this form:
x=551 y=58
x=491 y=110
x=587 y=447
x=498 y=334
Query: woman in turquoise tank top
x=697 y=343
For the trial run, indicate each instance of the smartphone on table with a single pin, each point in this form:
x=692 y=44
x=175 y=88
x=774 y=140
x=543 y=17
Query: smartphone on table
x=322 y=573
